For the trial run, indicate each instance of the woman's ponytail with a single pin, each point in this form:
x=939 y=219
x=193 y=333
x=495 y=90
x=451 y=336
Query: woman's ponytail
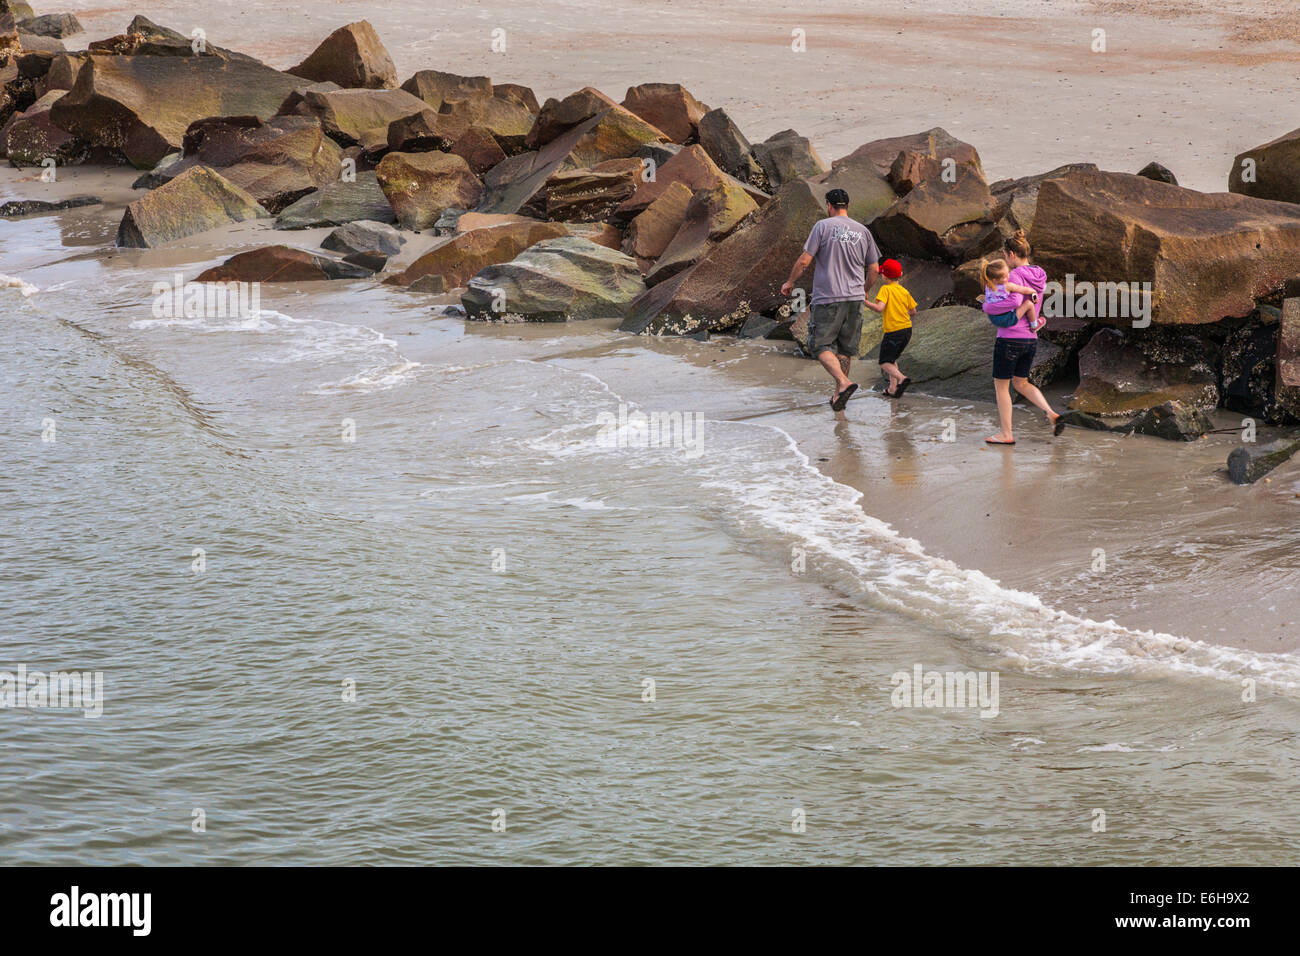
x=1019 y=244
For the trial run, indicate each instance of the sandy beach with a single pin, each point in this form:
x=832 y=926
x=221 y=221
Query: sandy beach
x=1171 y=87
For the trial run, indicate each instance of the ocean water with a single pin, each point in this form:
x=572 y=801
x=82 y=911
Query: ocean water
x=363 y=581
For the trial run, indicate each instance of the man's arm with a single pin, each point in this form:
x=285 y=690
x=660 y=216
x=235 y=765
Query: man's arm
x=800 y=264
x=873 y=273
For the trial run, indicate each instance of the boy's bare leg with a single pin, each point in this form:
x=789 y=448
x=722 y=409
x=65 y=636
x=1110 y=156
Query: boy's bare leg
x=895 y=376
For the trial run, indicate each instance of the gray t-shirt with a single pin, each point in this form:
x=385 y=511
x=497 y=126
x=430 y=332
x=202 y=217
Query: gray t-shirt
x=842 y=249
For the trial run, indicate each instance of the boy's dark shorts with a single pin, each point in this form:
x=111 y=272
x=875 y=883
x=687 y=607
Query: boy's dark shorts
x=892 y=345
x=1013 y=358
x=837 y=326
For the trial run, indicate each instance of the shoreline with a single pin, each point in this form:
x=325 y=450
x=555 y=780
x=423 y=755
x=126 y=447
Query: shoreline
x=1029 y=518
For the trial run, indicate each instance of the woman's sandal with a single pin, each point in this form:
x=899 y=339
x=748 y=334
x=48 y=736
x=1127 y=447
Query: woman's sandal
x=995 y=441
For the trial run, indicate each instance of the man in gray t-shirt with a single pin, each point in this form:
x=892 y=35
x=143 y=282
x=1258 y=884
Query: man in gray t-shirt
x=846 y=256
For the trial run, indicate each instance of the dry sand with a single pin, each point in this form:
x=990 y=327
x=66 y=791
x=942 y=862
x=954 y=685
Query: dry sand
x=1188 y=83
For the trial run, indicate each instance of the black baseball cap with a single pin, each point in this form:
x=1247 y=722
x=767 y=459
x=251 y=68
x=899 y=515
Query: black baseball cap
x=837 y=197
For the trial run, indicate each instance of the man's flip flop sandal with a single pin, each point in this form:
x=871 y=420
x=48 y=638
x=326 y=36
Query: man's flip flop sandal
x=990 y=441
x=842 y=399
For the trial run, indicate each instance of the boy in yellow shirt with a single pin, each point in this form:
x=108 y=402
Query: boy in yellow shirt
x=896 y=307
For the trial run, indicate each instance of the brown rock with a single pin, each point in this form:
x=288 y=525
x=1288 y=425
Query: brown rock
x=591 y=195
x=617 y=135
x=1206 y=255
x=1017 y=199
x=668 y=107
x=936 y=143
x=436 y=87
x=10 y=46
x=470 y=221
x=421 y=186
x=277 y=161
x=142 y=105
x=786 y=157
x=195 y=201
x=358 y=117
x=29 y=138
x=1270 y=171
x=710 y=216
x=691 y=167
x=938 y=219
x=518 y=94
x=650 y=232
x=281 y=264
x=728 y=147
x=425 y=130
x=351 y=56
x=870 y=194
x=1121 y=376
x=506 y=120
x=479 y=148
x=470 y=252
x=739 y=276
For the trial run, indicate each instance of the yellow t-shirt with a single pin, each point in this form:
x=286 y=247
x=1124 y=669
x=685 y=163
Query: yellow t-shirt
x=898 y=302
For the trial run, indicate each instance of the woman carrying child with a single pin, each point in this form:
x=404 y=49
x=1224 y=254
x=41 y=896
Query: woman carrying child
x=1012 y=299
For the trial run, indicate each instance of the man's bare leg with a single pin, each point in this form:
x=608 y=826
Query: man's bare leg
x=838 y=366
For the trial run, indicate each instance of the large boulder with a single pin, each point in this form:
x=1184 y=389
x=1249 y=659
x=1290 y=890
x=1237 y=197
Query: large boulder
x=468 y=253
x=507 y=121
x=29 y=138
x=479 y=148
x=436 y=87
x=787 y=156
x=516 y=93
x=518 y=185
x=728 y=147
x=1270 y=171
x=364 y=236
x=870 y=194
x=281 y=264
x=353 y=57
x=692 y=168
x=616 y=133
x=356 y=117
x=740 y=275
x=1122 y=374
x=950 y=352
x=937 y=144
x=591 y=195
x=338 y=203
x=426 y=130
x=1205 y=255
x=1017 y=199
x=422 y=186
x=278 y=161
x=710 y=216
x=142 y=105
x=58 y=25
x=556 y=280
x=938 y=219
x=196 y=201
x=650 y=232
x=668 y=107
